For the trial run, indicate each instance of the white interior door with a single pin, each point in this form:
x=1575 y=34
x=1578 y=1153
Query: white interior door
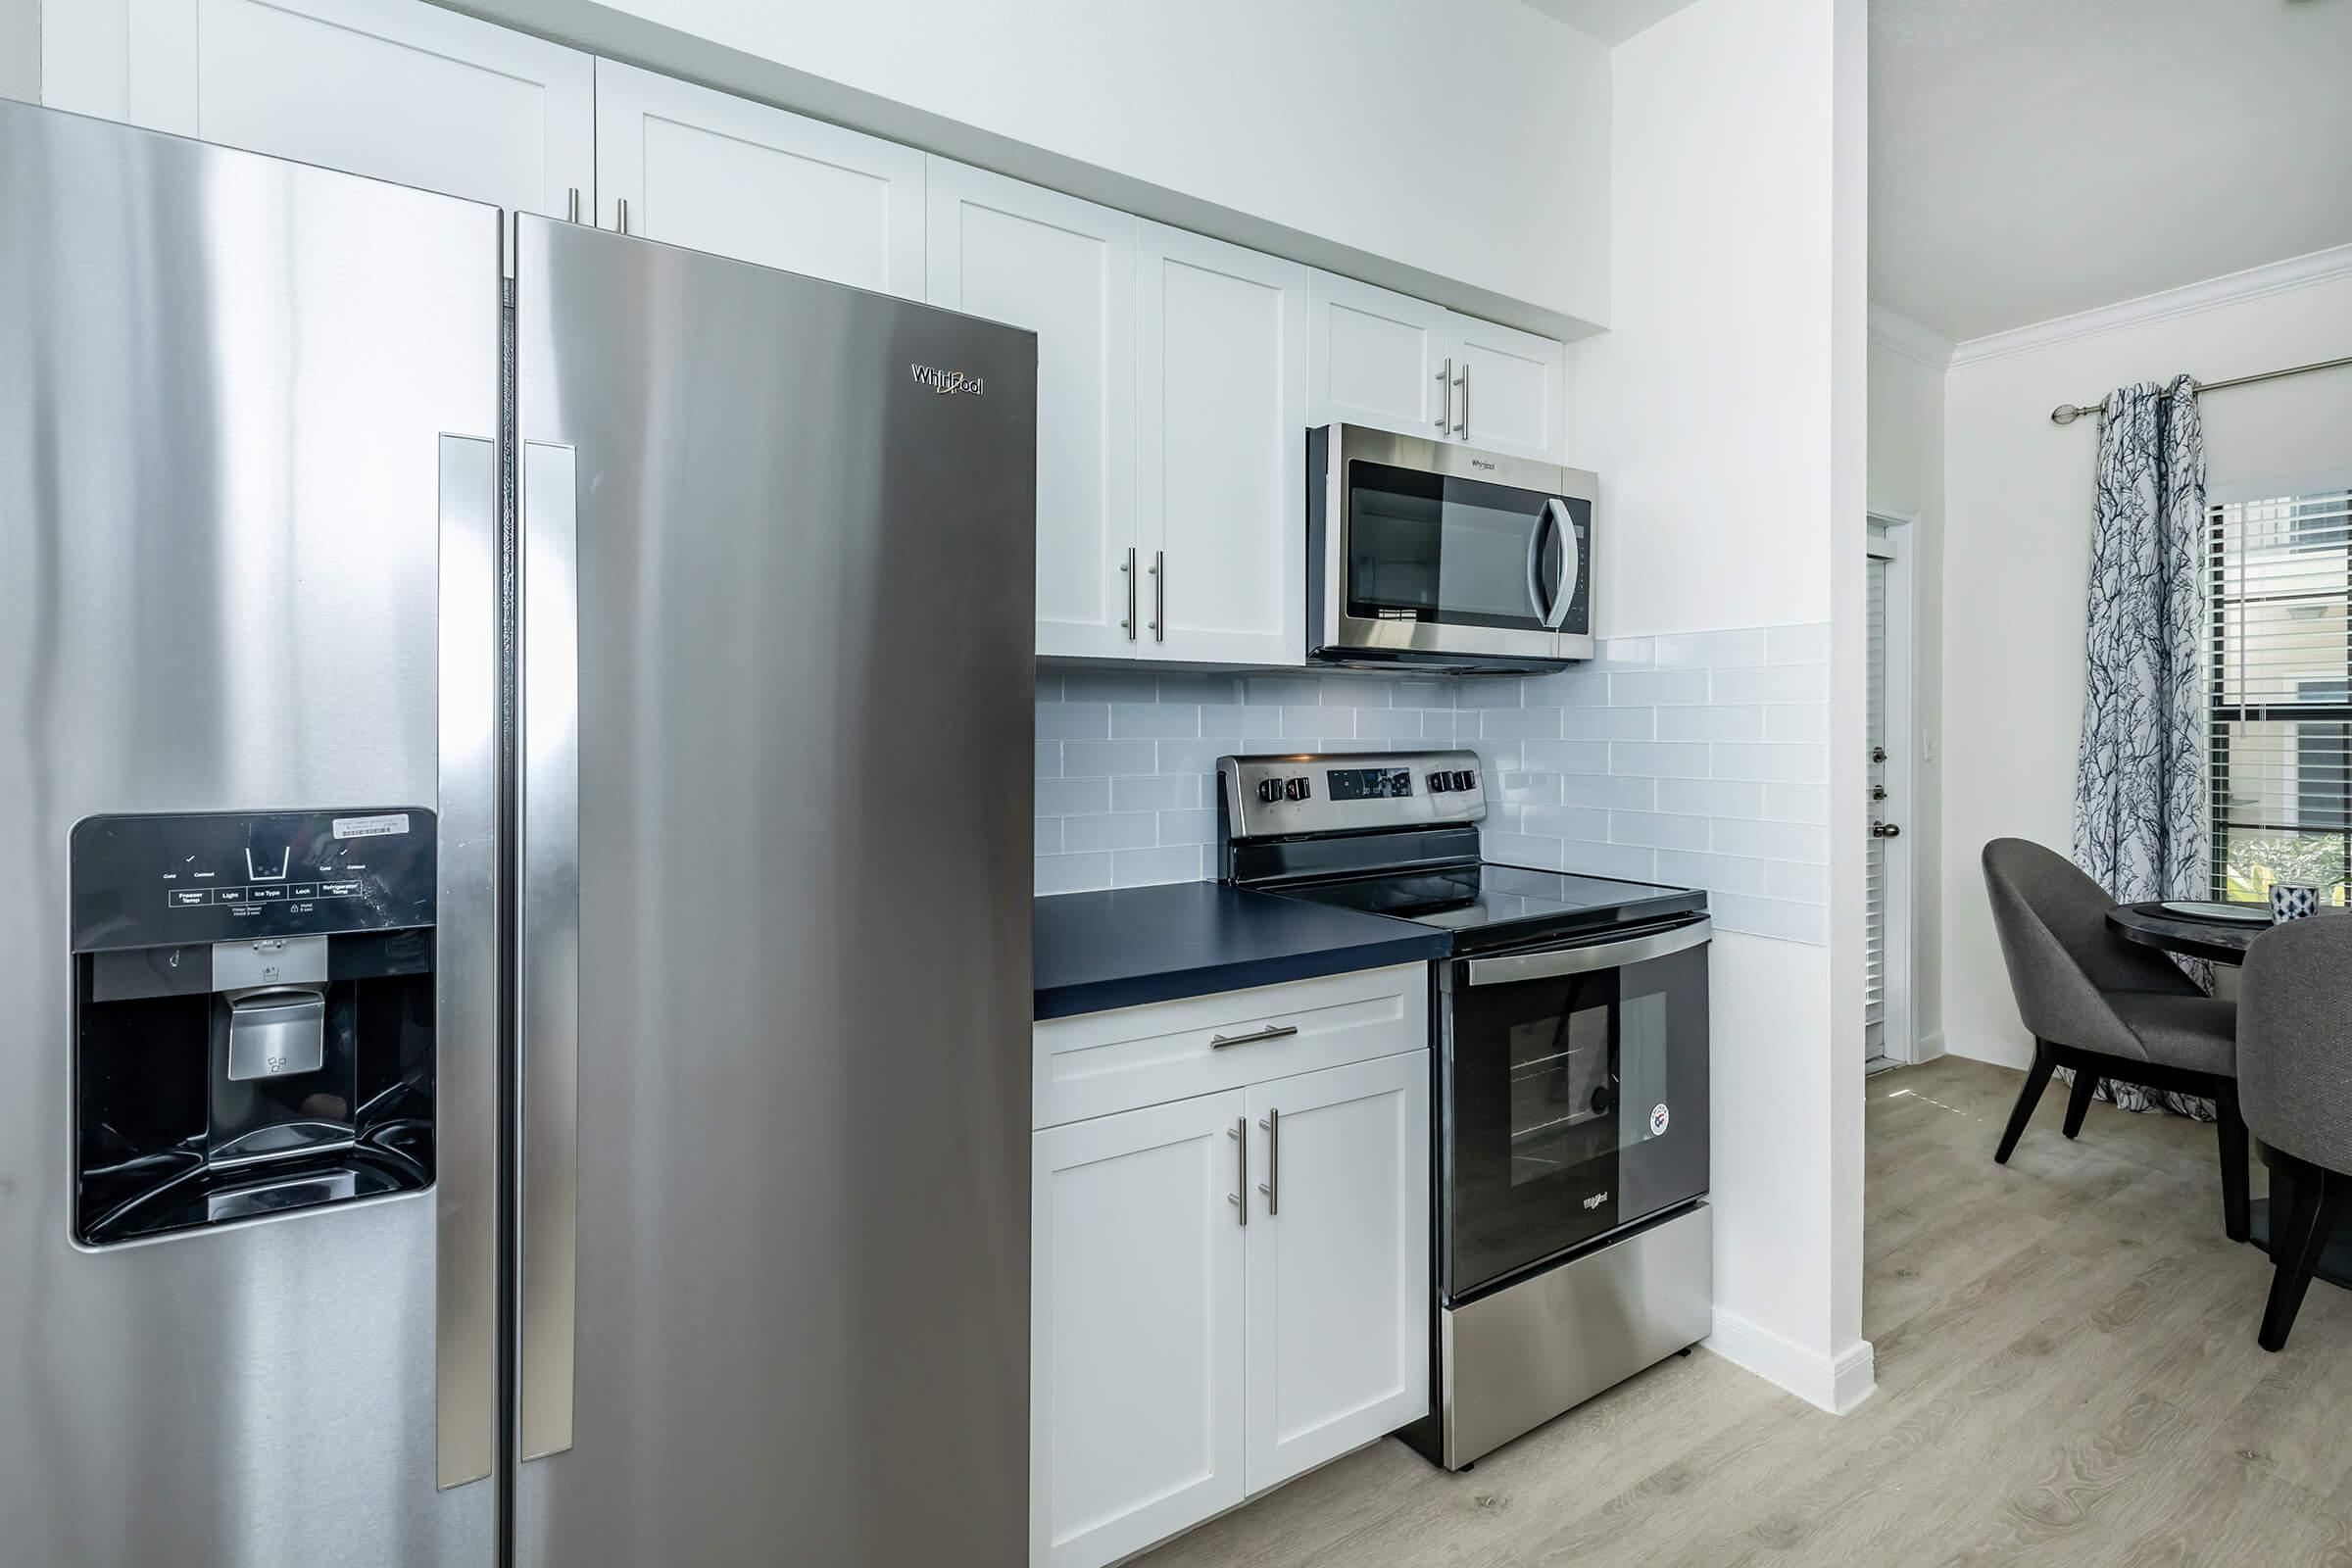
x=1136 y=1304
x=1220 y=450
x=721 y=173
x=1066 y=269
x=394 y=89
x=1886 y=909
x=1338 y=1261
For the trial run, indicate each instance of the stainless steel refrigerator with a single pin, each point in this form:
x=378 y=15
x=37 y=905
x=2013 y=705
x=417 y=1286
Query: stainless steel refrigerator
x=516 y=776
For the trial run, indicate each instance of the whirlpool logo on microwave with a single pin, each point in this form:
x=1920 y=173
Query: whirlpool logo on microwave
x=1596 y=1199
x=947 y=383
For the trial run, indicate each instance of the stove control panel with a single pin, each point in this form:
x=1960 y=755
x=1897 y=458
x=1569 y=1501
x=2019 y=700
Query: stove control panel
x=1310 y=792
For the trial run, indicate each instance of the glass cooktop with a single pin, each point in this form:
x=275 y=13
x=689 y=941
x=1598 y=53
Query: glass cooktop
x=1487 y=906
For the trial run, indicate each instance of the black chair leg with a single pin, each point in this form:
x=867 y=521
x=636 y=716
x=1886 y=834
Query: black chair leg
x=2078 y=1104
x=2236 y=1188
x=2038 y=1078
x=2318 y=1199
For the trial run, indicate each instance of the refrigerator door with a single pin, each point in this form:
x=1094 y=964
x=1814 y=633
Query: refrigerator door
x=247 y=415
x=775 y=854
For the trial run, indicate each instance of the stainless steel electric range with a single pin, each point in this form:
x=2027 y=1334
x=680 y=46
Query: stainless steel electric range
x=1573 y=1243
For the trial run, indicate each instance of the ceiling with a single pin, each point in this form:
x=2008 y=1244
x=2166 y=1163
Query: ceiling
x=1612 y=22
x=2030 y=159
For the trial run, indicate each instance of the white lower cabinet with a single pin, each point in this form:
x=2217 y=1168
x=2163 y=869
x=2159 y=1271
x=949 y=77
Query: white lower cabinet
x=1229 y=1288
x=1339 y=1299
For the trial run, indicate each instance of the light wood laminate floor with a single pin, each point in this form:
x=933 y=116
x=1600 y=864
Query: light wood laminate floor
x=2067 y=1373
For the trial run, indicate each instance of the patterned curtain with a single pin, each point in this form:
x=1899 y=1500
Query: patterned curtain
x=2142 y=815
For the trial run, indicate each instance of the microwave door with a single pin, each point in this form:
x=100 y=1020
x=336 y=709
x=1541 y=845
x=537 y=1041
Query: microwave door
x=1439 y=563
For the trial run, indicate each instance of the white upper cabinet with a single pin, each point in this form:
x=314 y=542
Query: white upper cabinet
x=1507 y=390
x=1379 y=359
x=1135 y=1301
x=724 y=174
x=1220 y=449
x=401 y=91
x=1066 y=269
x=1338 y=1262
x=1399 y=364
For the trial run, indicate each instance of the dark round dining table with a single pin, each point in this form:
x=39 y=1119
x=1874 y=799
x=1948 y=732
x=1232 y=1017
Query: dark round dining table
x=2225 y=941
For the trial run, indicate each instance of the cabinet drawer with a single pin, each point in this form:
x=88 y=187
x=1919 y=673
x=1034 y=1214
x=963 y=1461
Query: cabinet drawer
x=1101 y=1062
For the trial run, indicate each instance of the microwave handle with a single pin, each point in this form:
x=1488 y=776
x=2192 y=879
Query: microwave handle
x=1563 y=588
x=1555 y=961
x=1535 y=563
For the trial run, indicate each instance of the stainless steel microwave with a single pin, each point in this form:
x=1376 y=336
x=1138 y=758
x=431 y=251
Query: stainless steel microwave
x=1429 y=554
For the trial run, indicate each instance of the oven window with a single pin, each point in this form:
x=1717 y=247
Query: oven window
x=1429 y=548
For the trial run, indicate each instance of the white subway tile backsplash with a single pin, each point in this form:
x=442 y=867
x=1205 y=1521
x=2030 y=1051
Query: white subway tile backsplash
x=1775 y=683
x=1657 y=830
x=1607 y=723
x=1658 y=688
x=1772 y=841
x=1107 y=759
x=1075 y=797
x=1697 y=759
x=1154 y=720
x=1659 y=758
x=1137 y=868
x=1773 y=764
x=1710 y=723
x=1061 y=721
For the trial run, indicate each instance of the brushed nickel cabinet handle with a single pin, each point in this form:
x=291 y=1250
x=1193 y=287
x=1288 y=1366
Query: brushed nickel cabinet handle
x=1272 y=1030
x=1446 y=382
x=1240 y=1199
x=571 y=206
x=1160 y=596
x=1463 y=382
x=620 y=210
x=1128 y=625
x=1272 y=1185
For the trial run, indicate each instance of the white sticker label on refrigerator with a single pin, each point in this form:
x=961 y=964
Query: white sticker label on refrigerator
x=371 y=827
x=1658 y=1121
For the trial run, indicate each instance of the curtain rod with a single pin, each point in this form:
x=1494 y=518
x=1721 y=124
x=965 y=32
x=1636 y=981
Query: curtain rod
x=2069 y=412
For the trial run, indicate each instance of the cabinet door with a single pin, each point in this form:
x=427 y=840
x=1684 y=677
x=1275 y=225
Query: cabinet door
x=1509 y=390
x=1066 y=269
x=734 y=177
x=1377 y=358
x=395 y=90
x=1220 y=450
x=1339 y=1249
x=1136 y=1261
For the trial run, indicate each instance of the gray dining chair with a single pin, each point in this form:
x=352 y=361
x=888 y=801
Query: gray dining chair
x=2294 y=1073
x=2108 y=1008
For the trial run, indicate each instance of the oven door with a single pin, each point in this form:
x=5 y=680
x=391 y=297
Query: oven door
x=1575 y=1098
x=1447 y=552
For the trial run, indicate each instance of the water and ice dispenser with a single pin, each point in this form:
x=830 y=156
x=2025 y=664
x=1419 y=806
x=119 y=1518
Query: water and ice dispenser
x=253 y=1014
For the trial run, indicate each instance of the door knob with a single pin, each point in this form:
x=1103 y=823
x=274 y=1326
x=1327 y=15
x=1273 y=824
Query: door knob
x=1884 y=831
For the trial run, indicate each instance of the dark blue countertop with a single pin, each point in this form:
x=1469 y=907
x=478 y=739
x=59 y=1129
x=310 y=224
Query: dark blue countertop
x=1097 y=951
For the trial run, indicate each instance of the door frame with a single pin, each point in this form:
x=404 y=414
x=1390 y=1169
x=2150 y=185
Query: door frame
x=1901 y=1038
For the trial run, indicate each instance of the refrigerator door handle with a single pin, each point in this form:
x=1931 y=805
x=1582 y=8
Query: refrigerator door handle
x=548 y=940
x=465 y=971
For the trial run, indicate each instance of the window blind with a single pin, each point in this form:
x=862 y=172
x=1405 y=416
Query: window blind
x=1874 y=871
x=2281 y=693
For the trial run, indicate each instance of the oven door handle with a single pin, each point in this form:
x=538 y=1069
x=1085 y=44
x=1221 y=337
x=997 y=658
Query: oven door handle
x=1553 y=961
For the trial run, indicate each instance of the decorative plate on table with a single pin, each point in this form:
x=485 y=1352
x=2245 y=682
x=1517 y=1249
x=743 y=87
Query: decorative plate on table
x=2250 y=914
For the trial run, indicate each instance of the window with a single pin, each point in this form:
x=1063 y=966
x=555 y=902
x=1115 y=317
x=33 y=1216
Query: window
x=2282 y=693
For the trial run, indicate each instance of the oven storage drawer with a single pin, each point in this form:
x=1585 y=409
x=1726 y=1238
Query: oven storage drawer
x=1101 y=1062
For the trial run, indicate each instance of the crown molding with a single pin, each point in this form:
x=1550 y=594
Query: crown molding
x=1898 y=333
x=2231 y=288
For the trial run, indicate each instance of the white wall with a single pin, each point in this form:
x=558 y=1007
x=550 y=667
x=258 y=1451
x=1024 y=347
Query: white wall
x=2017 y=494
x=1906 y=480
x=1724 y=412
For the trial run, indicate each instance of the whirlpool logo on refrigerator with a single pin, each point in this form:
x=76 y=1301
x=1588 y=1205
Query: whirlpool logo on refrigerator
x=947 y=383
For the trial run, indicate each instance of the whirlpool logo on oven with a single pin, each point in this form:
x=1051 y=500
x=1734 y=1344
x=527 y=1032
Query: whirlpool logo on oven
x=1596 y=1199
x=948 y=384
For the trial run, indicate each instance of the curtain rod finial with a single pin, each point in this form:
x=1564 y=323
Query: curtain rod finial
x=2067 y=414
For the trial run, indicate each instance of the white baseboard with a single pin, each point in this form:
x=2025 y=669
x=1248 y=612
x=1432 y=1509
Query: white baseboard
x=1835 y=1383
x=2002 y=1050
x=1930 y=1047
